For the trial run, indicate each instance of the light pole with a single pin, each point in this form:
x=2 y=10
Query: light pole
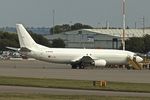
x=53 y=21
x=124 y=26
x=143 y=24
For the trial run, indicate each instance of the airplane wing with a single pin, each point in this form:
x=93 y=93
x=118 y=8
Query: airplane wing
x=81 y=58
x=85 y=61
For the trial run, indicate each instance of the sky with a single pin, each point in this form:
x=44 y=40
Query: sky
x=39 y=13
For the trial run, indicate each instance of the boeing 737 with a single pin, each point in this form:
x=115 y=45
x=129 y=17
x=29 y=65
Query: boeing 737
x=78 y=58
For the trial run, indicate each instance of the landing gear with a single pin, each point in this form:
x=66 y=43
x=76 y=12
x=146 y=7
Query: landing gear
x=74 y=66
x=81 y=66
x=78 y=66
x=85 y=61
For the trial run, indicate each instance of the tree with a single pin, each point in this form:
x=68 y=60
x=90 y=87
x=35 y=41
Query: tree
x=66 y=27
x=60 y=28
x=58 y=43
x=8 y=39
x=135 y=44
x=138 y=44
x=146 y=39
x=78 y=26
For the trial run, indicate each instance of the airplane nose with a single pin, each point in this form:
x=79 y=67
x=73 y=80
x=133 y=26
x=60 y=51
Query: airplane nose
x=139 y=59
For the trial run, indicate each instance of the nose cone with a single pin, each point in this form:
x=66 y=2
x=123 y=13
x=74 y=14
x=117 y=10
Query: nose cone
x=139 y=59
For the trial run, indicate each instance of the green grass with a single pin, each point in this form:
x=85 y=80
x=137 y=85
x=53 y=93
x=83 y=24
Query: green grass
x=7 y=96
x=73 y=84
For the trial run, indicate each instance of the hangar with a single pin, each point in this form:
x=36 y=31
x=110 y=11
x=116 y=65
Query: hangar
x=97 y=38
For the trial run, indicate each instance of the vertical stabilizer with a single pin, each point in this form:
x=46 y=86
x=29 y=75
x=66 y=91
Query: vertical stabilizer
x=25 y=39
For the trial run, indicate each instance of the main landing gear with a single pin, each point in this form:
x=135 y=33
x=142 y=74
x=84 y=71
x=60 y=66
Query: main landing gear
x=85 y=61
x=78 y=66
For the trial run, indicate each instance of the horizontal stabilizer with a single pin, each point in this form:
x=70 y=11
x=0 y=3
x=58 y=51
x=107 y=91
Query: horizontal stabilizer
x=12 y=48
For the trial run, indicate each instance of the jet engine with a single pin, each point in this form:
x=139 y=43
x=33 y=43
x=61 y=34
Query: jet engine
x=100 y=63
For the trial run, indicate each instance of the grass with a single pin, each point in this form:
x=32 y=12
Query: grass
x=7 y=96
x=74 y=84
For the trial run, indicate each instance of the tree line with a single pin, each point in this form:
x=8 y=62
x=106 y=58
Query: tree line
x=66 y=27
x=138 y=44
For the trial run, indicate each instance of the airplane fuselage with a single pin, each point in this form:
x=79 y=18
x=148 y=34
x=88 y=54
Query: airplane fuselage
x=67 y=56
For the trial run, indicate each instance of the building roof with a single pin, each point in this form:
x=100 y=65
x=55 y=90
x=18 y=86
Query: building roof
x=118 y=32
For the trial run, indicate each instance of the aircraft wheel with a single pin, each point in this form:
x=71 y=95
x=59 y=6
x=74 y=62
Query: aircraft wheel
x=81 y=66
x=74 y=66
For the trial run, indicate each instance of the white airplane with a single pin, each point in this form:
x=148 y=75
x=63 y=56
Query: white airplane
x=78 y=58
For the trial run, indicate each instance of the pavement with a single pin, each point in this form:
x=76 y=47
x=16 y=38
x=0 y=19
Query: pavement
x=56 y=91
x=38 y=69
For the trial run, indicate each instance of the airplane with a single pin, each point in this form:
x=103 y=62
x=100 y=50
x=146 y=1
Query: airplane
x=78 y=58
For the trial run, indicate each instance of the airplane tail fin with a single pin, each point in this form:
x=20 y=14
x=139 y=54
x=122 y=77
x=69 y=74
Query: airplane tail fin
x=25 y=39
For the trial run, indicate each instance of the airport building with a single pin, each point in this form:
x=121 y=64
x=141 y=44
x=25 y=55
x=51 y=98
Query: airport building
x=97 y=38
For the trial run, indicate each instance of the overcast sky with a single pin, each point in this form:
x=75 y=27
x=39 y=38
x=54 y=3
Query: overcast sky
x=38 y=13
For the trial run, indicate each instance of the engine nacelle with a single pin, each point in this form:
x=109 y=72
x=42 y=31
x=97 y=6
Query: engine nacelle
x=100 y=63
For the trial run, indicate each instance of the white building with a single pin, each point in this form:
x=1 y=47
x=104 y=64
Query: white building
x=97 y=38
